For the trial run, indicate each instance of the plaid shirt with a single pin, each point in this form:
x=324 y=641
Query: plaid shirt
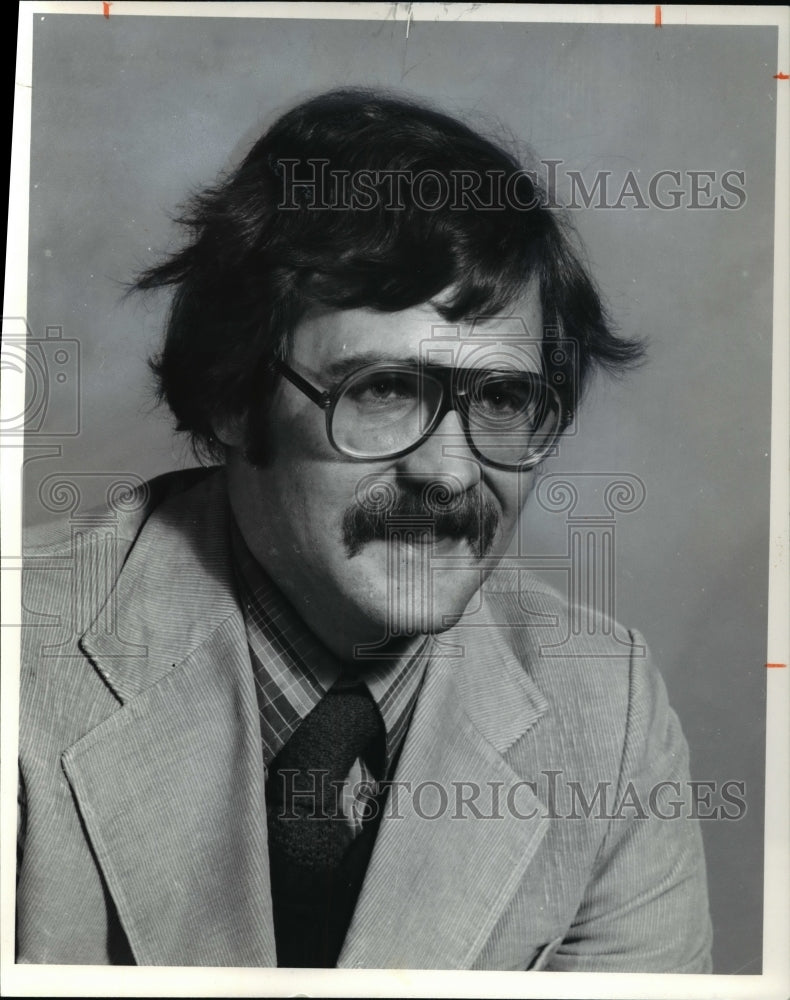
x=293 y=670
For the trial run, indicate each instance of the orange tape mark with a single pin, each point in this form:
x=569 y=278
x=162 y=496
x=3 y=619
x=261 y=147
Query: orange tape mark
x=776 y=664
x=657 y=21
x=106 y=6
x=781 y=76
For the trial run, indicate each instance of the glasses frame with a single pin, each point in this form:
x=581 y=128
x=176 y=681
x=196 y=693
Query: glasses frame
x=454 y=398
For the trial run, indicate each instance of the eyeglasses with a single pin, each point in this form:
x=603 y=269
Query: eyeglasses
x=381 y=411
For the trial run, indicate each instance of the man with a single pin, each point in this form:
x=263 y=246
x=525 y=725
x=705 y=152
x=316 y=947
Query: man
x=307 y=724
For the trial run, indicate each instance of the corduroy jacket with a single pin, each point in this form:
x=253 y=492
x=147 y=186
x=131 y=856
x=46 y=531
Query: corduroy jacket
x=539 y=817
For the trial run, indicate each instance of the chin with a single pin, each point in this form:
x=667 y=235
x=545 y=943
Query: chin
x=400 y=595
x=407 y=613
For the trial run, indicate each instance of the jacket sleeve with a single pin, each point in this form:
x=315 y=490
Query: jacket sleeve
x=646 y=905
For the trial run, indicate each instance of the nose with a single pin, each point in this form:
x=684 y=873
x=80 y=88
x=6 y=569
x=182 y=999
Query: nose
x=444 y=456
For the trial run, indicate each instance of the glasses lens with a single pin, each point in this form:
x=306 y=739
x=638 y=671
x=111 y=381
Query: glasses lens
x=381 y=411
x=513 y=419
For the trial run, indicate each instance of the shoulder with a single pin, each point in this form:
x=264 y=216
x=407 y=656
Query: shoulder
x=85 y=551
x=126 y=509
x=70 y=578
x=71 y=565
x=603 y=692
x=558 y=640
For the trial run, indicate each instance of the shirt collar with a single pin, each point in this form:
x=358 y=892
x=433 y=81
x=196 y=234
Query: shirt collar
x=293 y=669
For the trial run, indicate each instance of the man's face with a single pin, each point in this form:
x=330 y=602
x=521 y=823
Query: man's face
x=352 y=544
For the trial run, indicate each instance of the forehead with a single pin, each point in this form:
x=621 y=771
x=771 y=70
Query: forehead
x=330 y=342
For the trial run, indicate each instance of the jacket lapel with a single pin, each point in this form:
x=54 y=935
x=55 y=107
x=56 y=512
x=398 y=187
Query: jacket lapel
x=171 y=786
x=443 y=871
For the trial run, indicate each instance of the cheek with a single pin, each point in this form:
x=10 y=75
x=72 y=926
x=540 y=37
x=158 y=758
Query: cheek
x=304 y=476
x=511 y=491
x=315 y=496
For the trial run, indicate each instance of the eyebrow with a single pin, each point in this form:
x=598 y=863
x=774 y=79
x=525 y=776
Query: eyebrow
x=345 y=366
x=338 y=370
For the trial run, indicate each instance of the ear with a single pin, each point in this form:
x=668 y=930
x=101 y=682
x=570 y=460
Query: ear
x=229 y=430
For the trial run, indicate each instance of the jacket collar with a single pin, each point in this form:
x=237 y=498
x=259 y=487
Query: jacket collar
x=181 y=763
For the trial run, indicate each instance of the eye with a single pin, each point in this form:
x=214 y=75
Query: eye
x=382 y=388
x=500 y=400
x=506 y=397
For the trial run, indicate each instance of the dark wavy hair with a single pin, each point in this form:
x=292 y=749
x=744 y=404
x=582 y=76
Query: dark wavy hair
x=260 y=257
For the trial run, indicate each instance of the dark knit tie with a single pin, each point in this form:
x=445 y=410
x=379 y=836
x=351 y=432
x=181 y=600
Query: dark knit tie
x=317 y=858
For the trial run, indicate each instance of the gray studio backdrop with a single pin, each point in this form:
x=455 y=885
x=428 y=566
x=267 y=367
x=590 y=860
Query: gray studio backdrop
x=130 y=113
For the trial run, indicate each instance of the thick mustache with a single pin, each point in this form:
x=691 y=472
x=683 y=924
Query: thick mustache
x=384 y=508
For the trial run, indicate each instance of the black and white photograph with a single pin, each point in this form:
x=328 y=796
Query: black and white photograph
x=394 y=435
